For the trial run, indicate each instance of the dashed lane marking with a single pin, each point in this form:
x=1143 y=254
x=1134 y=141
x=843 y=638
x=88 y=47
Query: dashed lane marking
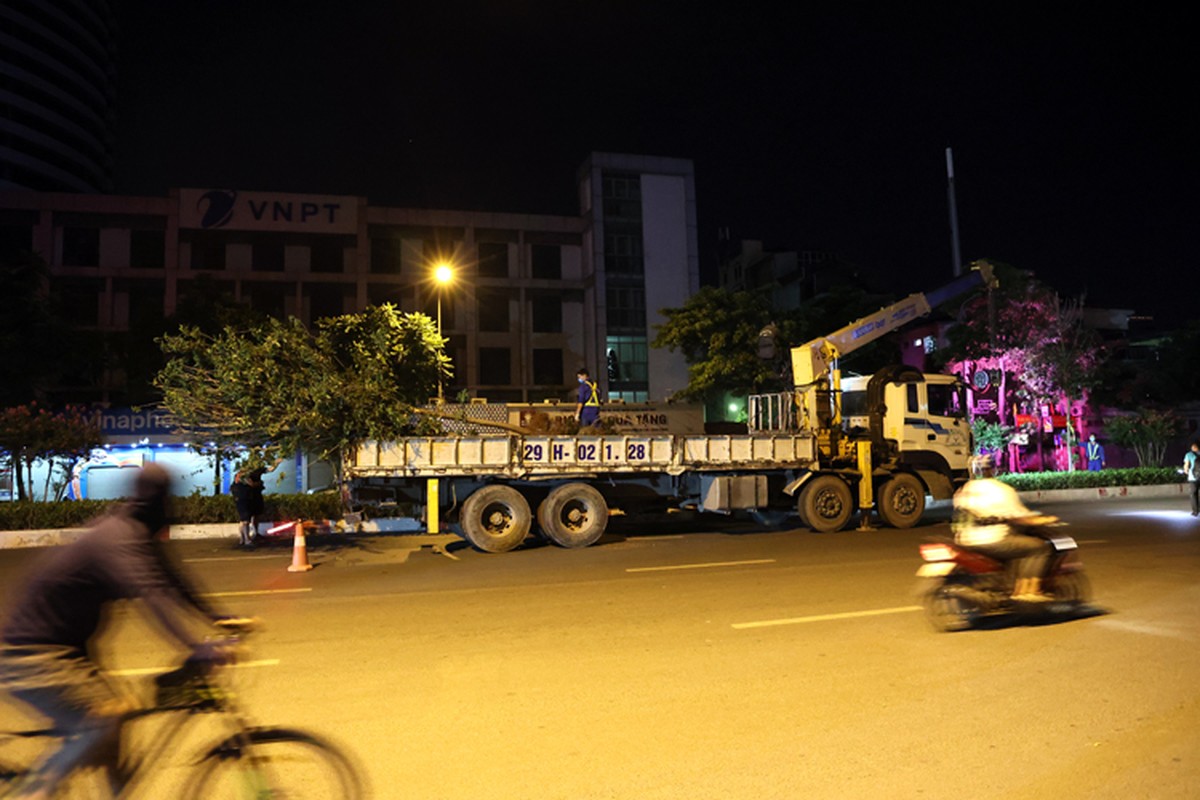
x=257 y=592
x=874 y=612
x=235 y=558
x=705 y=565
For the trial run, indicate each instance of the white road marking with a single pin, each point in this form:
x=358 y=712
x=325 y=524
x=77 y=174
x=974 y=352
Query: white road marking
x=875 y=612
x=234 y=558
x=135 y=673
x=256 y=591
x=706 y=565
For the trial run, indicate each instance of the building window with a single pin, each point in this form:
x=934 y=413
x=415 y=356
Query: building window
x=208 y=251
x=623 y=253
x=15 y=242
x=622 y=196
x=81 y=247
x=495 y=367
x=548 y=367
x=547 y=314
x=267 y=255
x=493 y=260
x=626 y=309
x=402 y=297
x=267 y=298
x=326 y=254
x=628 y=364
x=386 y=255
x=147 y=249
x=547 y=261
x=493 y=310
x=324 y=301
x=80 y=301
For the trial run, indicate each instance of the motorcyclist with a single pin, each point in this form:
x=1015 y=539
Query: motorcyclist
x=988 y=515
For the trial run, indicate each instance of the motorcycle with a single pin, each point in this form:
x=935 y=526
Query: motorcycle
x=961 y=585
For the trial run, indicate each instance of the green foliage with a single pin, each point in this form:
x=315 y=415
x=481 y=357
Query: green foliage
x=1085 y=479
x=195 y=509
x=29 y=433
x=718 y=334
x=281 y=388
x=990 y=437
x=1147 y=432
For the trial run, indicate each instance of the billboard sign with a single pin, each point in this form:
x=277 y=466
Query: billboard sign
x=229 y=209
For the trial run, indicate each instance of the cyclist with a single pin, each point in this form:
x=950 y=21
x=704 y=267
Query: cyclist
x=46 y=643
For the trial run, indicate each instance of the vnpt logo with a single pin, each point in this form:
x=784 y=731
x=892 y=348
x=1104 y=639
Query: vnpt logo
x=217 y=206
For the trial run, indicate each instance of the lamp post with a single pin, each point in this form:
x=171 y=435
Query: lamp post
x=443 y=274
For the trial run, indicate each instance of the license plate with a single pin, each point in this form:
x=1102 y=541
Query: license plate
x=936 y=570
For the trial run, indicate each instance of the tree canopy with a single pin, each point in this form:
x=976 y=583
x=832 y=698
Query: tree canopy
x=280 y=388
x=717 y=332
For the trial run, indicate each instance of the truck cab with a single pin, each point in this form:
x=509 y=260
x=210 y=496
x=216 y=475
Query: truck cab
x=919 y=420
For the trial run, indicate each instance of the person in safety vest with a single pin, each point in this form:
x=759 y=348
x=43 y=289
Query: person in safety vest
x=587 y=409
x=1095 y=454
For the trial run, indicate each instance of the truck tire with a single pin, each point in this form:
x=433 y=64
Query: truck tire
x=826 y=504
x=495 y=519
x=902 y=501
x=573 y=515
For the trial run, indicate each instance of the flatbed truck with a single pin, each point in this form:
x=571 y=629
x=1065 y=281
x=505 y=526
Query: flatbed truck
x=907 y=438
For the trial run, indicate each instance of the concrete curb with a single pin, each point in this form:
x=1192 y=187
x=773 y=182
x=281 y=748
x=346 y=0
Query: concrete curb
x=409 y=531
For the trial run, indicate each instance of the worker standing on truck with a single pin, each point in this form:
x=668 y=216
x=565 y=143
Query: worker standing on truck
x=587 y=409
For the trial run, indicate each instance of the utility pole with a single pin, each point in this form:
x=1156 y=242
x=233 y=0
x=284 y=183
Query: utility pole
x=955 y=252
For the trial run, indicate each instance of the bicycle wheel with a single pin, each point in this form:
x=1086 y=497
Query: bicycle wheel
x=276 y=763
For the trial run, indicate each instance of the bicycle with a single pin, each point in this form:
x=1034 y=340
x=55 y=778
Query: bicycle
x=247 y=762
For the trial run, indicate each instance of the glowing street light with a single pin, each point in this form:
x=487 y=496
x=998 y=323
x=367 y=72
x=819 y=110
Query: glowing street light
x=443 y=275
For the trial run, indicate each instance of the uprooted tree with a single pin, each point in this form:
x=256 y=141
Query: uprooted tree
x=277 y=388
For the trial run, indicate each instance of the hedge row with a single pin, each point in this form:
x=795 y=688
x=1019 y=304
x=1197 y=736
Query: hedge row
x=195 y=509
x=1136 y=476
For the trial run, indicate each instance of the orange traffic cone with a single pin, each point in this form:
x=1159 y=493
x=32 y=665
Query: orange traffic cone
x=299 y=550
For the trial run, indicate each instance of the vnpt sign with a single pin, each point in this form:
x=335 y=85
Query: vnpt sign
x=259 y=211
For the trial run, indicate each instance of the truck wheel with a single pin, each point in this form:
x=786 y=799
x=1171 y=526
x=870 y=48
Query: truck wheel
x=495 y=519
x=573 y=515
x=826 y=504
x=902 y=501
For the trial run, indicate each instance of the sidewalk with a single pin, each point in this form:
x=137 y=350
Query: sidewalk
x=404 y=530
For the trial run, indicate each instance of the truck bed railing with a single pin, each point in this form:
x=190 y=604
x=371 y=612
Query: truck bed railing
x=548 y=456
x=771 y=413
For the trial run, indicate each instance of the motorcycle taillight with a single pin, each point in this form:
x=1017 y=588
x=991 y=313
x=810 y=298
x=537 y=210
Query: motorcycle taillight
x=937 y=552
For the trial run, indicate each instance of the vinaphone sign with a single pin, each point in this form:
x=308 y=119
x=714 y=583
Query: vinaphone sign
x=229 y=209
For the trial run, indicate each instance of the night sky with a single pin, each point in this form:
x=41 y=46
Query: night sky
x=810 y=129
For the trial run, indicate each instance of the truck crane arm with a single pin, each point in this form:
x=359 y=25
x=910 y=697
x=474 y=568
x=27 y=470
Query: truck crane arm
x=813 y=361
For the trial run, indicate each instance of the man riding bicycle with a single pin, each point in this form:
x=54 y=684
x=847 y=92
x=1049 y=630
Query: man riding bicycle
x=46 y=642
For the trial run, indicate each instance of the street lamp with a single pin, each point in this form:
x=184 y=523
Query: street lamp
x=443 y=274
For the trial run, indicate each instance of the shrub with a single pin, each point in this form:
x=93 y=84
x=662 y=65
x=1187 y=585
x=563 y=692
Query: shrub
x=1084 y=479
x=195 y=509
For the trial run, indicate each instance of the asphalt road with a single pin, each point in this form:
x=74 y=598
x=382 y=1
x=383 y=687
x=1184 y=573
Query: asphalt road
x=717 y=661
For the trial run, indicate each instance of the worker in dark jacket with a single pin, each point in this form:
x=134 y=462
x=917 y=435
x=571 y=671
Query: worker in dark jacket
x=47 y=641
x=247 y=491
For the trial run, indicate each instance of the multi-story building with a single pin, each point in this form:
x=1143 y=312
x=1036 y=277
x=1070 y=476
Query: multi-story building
x=57 y=89
x=533 y=297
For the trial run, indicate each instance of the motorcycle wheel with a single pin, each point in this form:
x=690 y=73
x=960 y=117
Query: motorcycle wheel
x=1072 y=587
x=946 y=610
